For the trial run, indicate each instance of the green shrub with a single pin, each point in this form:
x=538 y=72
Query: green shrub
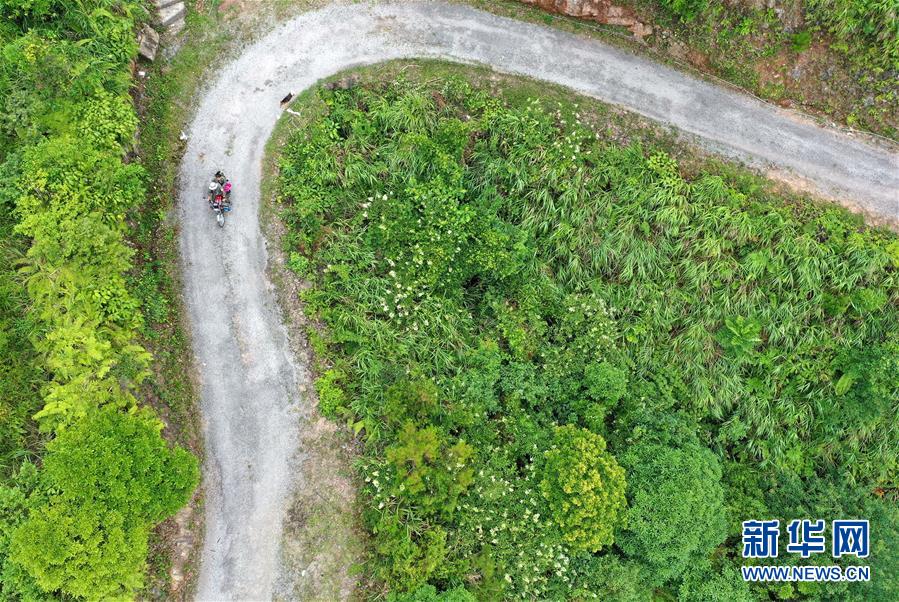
x=15 y=581
x=106 y=481
x=430 y=473
x=676 y=514
x=331 y=398
x=298 y=264
x=411 y=556
x=21 y=375
x=739 y=336
x=410 y=400
x=584 y=488
x=685 y=10
x=605 y=382
x=427 y=593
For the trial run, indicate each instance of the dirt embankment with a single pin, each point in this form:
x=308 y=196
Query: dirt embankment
x=601 y=11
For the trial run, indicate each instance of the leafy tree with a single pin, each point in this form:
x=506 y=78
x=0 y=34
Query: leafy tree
x=584 y=488
x=106 y=481
x=789 y=496
x=676 y=514
x=429 y=471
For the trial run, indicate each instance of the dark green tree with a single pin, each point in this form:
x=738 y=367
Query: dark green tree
x=676 y=513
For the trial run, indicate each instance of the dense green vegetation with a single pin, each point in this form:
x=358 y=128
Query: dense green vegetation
x=75 y=517
x=20 y=372
x=575 y=371
x=867 y=30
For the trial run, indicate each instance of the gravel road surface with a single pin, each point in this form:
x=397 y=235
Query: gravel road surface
x=252 y=404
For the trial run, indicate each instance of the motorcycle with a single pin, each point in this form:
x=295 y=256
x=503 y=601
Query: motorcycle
x=221 y=204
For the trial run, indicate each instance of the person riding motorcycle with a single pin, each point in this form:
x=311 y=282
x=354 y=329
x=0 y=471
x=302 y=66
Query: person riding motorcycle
x=219 y=186
x=220 y=178
x=215 y=190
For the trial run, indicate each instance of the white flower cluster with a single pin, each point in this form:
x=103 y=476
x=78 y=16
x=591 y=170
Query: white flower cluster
x=504 y=514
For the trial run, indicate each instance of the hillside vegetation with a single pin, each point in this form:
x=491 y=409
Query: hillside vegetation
x=574 y=371
x=85 y=472
x=838 y=59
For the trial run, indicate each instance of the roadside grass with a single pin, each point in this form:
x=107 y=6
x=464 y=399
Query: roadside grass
x=164 y=105
x=616 y=124
x=325 y=545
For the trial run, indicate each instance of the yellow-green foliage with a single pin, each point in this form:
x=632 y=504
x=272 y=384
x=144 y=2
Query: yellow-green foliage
x=71 y=202
x=429 y=471
x=105 y=482
x=66 y=125
x=584 y=487
x=65 y=175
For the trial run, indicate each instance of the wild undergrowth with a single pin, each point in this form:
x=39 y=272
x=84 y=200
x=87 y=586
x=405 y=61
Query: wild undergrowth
x=837 y=57
x=574 y=371
x=86 y=474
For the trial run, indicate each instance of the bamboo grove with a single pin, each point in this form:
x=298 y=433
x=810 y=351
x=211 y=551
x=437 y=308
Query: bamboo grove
x=84 y=472
x=573 y=371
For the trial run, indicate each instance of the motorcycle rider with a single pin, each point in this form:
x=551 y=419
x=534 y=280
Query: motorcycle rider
x=224 y=186
x=215 y=190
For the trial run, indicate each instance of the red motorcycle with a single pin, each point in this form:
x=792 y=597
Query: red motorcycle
x=220 y=201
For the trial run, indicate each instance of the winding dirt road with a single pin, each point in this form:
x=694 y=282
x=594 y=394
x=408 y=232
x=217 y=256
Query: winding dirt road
x=252 y=404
